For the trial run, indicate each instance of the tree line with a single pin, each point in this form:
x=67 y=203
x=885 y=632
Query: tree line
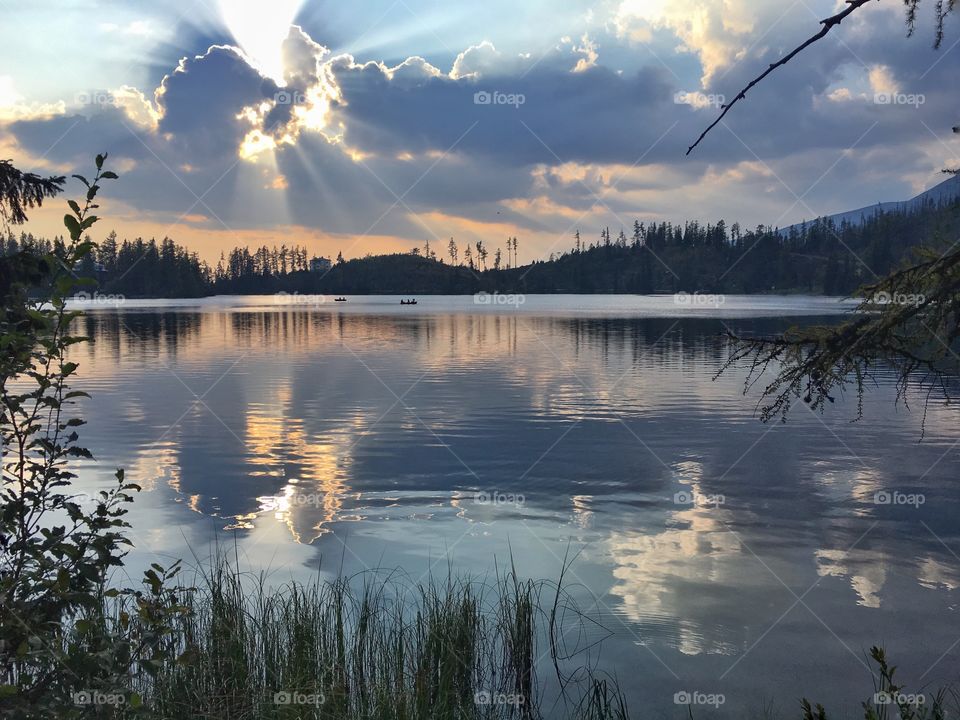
x=821 y=257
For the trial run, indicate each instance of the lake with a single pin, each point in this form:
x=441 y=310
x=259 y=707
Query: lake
x=720 y=555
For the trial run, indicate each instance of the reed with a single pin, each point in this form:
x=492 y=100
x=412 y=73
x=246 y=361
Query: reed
x=373 y=647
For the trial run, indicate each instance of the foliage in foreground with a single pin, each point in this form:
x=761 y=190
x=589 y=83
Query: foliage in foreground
x=907 y=324
x=369 y=647
x=74 y=646
x=890 y=701
x=58 y=548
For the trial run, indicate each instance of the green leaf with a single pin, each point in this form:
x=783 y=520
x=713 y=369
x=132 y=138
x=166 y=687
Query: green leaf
x=100 y=159
x=109 y=175
x=82 y=179
x=73 y=226
x=74 y=206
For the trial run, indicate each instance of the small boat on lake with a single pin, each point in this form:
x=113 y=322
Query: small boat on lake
x=340 y=299
x=408 y=302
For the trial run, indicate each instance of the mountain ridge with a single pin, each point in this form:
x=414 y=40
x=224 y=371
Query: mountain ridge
x=942 y=192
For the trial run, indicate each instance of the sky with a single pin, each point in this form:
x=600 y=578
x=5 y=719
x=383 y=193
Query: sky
x=377 y=126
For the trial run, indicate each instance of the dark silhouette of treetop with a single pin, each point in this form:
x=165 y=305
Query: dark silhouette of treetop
x=20 y=191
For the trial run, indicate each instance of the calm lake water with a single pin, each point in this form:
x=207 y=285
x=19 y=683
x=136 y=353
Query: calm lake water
x=442 y=438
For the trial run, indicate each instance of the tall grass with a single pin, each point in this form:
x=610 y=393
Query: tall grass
x=376 y=647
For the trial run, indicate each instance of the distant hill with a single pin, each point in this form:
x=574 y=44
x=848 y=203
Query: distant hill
x=945 y=192
x=832 y=256
x=658 y=258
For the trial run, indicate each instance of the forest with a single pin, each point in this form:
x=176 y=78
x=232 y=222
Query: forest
x=820 y=257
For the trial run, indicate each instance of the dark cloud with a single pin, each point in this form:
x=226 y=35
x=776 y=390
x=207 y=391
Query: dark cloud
x=548 y=113
x=418 y=133
x=201 y=99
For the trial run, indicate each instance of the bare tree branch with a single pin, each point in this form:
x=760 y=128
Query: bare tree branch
x=827 y=25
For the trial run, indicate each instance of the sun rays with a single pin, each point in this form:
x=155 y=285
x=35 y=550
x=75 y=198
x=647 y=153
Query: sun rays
x=259 y=29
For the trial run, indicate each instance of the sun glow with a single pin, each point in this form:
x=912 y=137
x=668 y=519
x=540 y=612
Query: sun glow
x=260 y=27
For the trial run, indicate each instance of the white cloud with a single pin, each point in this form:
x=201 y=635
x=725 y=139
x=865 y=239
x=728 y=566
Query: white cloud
x=589 y=53
x=715 y=30
x=137 y=107
x=475 y=61
x=413 y=70
x=13 y=105
x=840 y=94
x=882 y=80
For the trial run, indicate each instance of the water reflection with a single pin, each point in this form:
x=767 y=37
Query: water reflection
x=373 y=437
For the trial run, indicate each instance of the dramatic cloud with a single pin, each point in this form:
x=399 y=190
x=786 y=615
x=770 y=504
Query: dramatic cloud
x=264 y=131
x=717 y=31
